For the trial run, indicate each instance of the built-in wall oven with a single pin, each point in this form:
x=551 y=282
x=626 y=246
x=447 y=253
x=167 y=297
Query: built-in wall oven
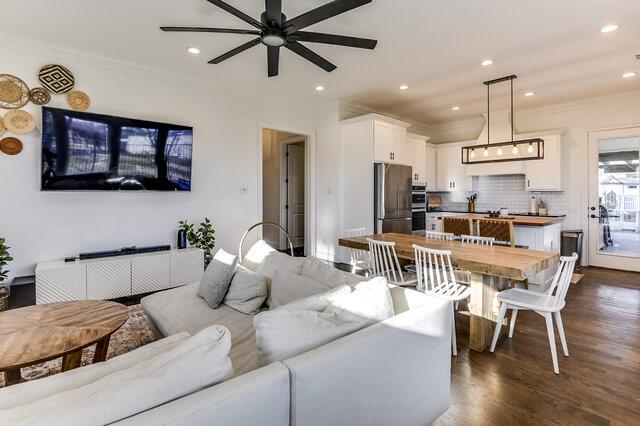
x=418 y=209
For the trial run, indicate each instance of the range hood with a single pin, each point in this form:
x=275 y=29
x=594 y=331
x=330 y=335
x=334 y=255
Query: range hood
x=497 y=142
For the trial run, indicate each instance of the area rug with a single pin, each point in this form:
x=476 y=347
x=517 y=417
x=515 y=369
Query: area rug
x=134 y=333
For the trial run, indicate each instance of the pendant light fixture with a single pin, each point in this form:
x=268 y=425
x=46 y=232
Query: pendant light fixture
x=522 y=150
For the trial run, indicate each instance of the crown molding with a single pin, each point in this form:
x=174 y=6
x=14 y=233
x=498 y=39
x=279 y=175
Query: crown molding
x=349 y=110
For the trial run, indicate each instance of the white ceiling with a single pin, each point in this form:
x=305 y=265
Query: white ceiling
x=434 y=46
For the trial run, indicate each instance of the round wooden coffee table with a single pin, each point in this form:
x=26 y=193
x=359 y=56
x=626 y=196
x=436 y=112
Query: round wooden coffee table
x=40 y=333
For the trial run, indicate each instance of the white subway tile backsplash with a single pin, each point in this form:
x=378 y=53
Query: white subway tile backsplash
x=506 y=191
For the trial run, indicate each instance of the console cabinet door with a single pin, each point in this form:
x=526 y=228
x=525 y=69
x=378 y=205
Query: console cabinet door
x=150 y=273
x=62 y=283
x=187 y=266
x=108 y=279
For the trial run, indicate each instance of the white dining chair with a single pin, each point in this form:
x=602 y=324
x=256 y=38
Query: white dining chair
x=544 y=304
x=436 y=235
x=436 y=277
x=384 y=263
x=482 y=241
x=358 y=259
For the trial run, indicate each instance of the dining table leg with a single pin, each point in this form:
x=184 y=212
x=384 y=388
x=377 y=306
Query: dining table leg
x=483 y=309
x=12 y=377
x=72 y=360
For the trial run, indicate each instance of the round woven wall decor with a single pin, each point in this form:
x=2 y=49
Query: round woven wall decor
x=39 y=96
x=1 y=126
x=56 y=78
x=11 y=146
x=78 y=100
x=19 y=122
x=14 y=93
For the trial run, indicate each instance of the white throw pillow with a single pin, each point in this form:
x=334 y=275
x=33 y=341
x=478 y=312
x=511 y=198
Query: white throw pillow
x=277 y=261
x=287 y=287
x=215 y=281
x=28 y=392
x=198 y=363
x=284 y=333
x=327 y=274
x=247 y=291
x=369 y=299
x=256 y=254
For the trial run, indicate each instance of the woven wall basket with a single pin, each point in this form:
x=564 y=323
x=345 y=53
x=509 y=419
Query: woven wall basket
x=14 y=93
x=56 y=78
x=2 y=128
x=78 y=100
x=19 y=122
x=39 y=96
x=11 y=146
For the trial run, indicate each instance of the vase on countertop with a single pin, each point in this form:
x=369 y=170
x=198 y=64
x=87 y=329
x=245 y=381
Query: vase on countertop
x=471 y=207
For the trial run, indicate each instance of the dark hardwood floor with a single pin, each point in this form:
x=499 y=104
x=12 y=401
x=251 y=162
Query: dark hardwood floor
x=599 y=383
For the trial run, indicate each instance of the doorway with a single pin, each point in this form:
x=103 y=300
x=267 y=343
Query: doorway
x=284 y=187
x=614 y=199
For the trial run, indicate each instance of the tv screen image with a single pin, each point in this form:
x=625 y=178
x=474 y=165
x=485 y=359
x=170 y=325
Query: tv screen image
x=84 y=151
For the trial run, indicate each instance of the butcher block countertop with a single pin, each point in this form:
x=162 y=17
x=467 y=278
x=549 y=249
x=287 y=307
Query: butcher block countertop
x=517 y=220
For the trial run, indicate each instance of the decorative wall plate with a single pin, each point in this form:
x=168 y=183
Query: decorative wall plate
x=78 y=100
x=39 y=96
x=56 y=78
x=19 y=122
x=1 y=126
x=14 y=93
x=11 y=146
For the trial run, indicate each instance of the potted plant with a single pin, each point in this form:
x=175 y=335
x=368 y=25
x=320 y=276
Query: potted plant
x=201 y=237
x=5 y=283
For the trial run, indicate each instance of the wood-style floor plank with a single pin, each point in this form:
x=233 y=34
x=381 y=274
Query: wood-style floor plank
x=599 y=383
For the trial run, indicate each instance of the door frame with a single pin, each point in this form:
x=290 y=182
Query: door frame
x=611 y=260
x=283 y=186
x=310 y=177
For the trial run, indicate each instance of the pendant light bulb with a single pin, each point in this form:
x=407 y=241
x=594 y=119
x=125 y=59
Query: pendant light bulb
x=473 y=153
x=499 y=152
x=530 y=148
x=515 y=150
x=486 y=152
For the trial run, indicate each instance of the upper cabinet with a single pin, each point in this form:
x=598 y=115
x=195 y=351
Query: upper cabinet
x=417 y=156
x=430 y=176
x=545 y=174
x=451 y=173
x=389 y=142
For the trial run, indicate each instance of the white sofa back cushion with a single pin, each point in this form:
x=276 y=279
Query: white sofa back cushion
x=256 y=255
x=287 y=287
x=369 y=299
x=327 y=274
x=28 y=392
x=199 y=362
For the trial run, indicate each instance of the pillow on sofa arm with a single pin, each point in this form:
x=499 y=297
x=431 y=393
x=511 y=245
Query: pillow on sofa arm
x=287 y=287
x=215 y=281
x=247 y=291
x=369 y=299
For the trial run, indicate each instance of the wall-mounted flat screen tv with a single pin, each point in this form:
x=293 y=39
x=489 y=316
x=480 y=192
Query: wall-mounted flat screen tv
x=86 y=152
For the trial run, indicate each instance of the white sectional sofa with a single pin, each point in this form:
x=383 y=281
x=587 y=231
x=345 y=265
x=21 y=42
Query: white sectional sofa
x=394 y=372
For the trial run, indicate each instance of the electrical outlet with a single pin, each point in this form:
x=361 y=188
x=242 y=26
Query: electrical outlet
x=638 y=57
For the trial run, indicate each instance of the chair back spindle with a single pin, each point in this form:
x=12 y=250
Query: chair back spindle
x=561 y=281
x=435 y=235
x=482 y=241
x=385 y=260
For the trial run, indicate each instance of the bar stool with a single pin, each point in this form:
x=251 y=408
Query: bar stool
x=457 y=225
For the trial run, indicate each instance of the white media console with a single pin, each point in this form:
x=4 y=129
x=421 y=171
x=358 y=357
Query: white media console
x=113 y=277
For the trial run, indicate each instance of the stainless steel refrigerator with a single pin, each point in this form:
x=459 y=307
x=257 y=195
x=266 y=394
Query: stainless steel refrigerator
x=392 y=198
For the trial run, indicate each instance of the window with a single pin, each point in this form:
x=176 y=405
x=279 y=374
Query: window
x=138 y=152
x=88 y=148
x=178 y=156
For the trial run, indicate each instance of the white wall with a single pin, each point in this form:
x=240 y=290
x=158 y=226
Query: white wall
x=44 y=225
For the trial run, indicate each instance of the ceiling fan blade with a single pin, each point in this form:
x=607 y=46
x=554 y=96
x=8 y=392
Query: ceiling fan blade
x=362 y=43
x=209 y=30
x=321 y=13
x=235 y=51
x=235 y=12
x=310 y=55
x=274 y=12
x=273 y=60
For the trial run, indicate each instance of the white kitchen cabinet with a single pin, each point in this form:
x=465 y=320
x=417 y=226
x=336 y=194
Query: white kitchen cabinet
x=417 y=156
x=545 y=174
x=389 y=142
x=451 y=173
x=431 y=174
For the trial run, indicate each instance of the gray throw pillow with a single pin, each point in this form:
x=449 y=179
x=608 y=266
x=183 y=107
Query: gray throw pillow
x=215 y=281
x=247 y=291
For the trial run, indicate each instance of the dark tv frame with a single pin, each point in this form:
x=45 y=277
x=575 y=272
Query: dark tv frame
x=161 y=184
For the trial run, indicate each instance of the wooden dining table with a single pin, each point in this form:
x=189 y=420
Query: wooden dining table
x=492 y=269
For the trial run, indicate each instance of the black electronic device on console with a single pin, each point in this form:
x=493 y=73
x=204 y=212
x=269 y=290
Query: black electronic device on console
x=123 y=252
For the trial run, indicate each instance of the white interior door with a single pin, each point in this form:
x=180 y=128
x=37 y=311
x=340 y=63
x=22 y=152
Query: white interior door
x=614 y=199
x=294 y=184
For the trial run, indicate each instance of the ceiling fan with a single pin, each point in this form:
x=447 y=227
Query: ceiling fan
x=274 y=30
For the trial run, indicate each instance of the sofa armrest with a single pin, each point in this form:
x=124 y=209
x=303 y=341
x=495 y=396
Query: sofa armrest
x=395 y=372
x=260 y=397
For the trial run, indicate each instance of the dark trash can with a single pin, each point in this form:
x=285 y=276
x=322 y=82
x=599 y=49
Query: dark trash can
x=571 y=241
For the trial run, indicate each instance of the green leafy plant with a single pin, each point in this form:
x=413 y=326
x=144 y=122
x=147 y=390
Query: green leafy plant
x=5 y=258
x=201 y=237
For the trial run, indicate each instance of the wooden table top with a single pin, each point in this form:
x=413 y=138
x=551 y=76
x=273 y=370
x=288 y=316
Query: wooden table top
x=43 y=332
x=507 y=262
x=517 y=220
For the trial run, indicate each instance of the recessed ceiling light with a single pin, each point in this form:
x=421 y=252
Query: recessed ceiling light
x=628 y=74
x=319 y=88
x=403 y=87
x=608 y=28
x=455 y=108
x=486 y=62
x=193 y=50
x=529 y=94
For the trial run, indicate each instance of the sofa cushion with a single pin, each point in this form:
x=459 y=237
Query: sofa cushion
x=283 y=333
x=276 y=261
x=318 y=302
x=287 y=287
x=215 y=281
x=327 y=274
x=369 y=299
x=180 y=309
x=247 y=291
x=28 y=392
x=197 y=363
x=256 y=254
